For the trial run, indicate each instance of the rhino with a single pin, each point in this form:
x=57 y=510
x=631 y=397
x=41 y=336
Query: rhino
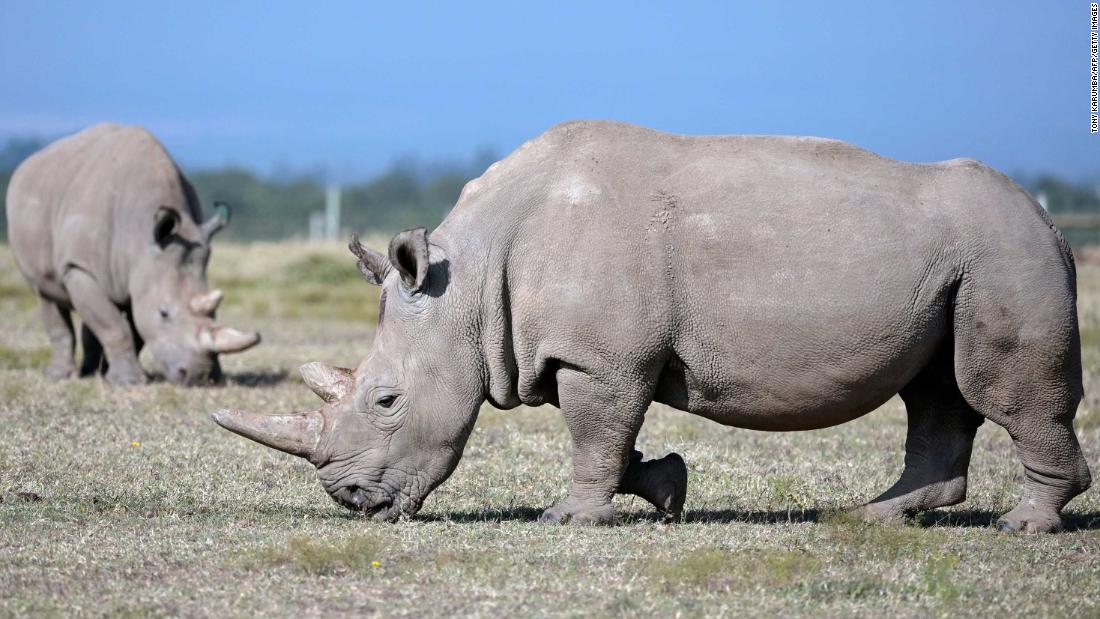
x=762 y=282
x=104 y=222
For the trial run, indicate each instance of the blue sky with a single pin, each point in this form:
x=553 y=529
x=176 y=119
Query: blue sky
x=348 y=87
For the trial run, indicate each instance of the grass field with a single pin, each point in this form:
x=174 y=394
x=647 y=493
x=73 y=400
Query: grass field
x=130 y=501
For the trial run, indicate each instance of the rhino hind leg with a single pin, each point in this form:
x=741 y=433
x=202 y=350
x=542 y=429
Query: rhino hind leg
x=661 y=482
x=59 y=328
x=1055 y=471
x=1018 y=363
x=938 y=444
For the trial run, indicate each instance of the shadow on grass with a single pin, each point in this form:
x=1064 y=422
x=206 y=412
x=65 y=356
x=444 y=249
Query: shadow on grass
x=528 y=514
x=260 y=378
x=125 y=507
x=256 y=379
x=981 y=518
x=780 y=516
x=1072 y=521
x=522 y=514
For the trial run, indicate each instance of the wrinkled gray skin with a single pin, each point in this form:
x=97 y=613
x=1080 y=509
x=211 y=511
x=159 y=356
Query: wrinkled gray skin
x=771 y=283
x=103 y=222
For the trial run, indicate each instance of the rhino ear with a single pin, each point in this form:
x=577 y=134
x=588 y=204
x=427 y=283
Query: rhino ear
x=409 y=255
x=165 y=223
x=373 y=265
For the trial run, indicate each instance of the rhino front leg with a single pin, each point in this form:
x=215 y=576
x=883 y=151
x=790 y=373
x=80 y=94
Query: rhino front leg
x=59 y=328
x=937 y=450
x=662 y=482
x=603 y=422
x=109 y=325
x=92 y=363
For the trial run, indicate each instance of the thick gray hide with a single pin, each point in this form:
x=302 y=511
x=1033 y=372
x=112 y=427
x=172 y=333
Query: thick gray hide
x=103 y=222
x=773 y=283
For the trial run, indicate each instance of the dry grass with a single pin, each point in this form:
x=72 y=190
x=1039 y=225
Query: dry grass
x=131 y=502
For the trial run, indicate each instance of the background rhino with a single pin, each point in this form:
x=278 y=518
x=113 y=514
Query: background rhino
x=770 y=283
x=104 y=222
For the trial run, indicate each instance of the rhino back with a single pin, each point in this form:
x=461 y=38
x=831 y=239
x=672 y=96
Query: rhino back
x=88 y=201
x=768 y=275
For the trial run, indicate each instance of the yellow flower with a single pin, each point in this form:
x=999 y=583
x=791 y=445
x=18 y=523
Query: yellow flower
x=135 y=444
x=376 y=564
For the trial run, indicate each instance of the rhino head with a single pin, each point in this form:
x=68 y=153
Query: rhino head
x=391 y=430
x=172 y=308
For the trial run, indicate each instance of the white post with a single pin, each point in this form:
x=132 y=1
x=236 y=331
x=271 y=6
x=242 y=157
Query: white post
x=332 y=212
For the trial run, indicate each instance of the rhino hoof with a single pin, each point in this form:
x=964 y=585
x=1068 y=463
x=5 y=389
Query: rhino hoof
x=60 y=372
x=569 y=513
x=1027 y=519
x=122 y=376
x=672 y=511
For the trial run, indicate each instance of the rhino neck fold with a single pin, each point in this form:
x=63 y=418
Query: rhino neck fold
x=497 y=358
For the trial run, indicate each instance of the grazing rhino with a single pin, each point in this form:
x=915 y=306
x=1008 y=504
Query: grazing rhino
x=771 y=283
x=105 y=223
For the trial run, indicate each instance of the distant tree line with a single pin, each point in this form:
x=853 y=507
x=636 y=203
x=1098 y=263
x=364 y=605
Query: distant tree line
x=408 y=194
x=411 y=193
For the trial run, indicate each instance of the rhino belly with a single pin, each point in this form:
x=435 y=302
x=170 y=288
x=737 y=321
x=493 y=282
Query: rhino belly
x=790 y=398
x=803 y=359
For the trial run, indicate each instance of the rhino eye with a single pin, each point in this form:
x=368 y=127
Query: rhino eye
x=386 y=401
x=163 y=314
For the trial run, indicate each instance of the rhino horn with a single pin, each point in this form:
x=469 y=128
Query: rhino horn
x=295 y=433
x=329 y=382
x=227 y=339
x=206 y=304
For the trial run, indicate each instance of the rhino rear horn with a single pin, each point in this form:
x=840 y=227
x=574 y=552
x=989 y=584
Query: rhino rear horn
x=227 y=339
x=295 y=433
x=372 y=264
x=206 y=304
x=329 y=382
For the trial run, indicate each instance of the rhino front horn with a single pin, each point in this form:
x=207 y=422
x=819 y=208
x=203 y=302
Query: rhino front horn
x=331 y=383
x=227 y=339
x=295 y=433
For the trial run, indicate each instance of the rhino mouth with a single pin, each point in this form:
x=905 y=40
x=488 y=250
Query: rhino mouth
x=372 y=504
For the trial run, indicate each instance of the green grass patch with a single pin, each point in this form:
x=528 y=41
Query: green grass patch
x=13 y=391
x=789 y=493
x=318 y=269
x=20 y=292
x=1090 y=336
x=721 y=569
x=939 y=577
x=881 y=540
x=1087 y=420
x=23 y=358
x=358 y=554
